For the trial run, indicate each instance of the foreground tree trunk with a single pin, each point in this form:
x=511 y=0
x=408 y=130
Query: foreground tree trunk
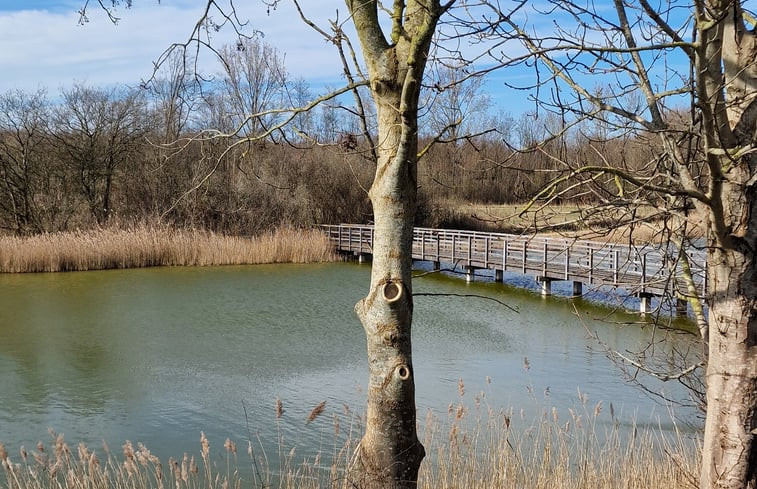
x=727 y=64
x=390 y=454
x=730 y=452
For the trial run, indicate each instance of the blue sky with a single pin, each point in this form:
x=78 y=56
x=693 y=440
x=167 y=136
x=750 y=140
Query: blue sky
x=43 y=46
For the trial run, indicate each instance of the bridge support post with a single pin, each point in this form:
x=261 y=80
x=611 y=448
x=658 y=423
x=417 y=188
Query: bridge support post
x=499 y=275
x=546 y=286
x=437 y=265
x=645 y=305
x=682 y=307
x=469 y=274
x=578 y=289
x=363 y=257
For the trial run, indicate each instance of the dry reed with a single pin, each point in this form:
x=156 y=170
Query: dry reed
x=144 y=246
x=471 y=448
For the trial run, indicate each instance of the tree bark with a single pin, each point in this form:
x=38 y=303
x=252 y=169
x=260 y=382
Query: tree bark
x=728 y=80
x=729 y=456
x=389 y=454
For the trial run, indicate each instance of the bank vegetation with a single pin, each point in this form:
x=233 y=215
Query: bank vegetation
x=470 y=447
x=174 y=153
x=144 y=246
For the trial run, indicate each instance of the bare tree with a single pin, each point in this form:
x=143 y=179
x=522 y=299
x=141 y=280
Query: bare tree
x=97 y=132
x=254 y=82
x=633 y=68
x=174 y=96
x=22 y=158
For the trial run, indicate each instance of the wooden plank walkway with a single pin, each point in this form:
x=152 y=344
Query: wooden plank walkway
x=642 y=271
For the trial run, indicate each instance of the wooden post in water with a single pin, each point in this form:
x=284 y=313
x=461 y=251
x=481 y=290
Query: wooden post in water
x=546 y=286
x=645 y=306
x=578 y=289
x=469 y=274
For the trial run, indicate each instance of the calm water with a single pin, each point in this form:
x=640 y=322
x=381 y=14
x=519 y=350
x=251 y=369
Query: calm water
x=158 y=355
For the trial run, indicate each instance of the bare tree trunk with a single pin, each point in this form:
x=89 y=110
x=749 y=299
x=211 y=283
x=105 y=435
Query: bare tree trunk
x=729 y=452
x=729 y=70
x=389 y=455
x=730 y=449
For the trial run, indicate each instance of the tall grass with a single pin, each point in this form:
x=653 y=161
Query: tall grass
x=486 y=449
x=144 y=246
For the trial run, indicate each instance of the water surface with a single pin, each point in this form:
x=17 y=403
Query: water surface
x=159 y=355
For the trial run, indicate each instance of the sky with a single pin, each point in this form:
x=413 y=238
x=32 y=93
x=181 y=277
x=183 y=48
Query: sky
x=42 y=44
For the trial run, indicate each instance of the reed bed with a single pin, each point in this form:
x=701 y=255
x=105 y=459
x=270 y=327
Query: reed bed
x=145 y=246
x=485 y=449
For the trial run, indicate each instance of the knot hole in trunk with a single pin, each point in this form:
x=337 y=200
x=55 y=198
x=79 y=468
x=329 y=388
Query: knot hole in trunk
x=403 y=372
x=392 y=291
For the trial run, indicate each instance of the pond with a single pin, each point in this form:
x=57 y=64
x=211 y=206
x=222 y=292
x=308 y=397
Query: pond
x=158 y=355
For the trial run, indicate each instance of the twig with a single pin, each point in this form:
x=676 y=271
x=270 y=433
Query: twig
x=445 y=294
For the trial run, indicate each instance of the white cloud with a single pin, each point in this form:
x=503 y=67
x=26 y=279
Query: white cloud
x=39 y=48
x=48 y=49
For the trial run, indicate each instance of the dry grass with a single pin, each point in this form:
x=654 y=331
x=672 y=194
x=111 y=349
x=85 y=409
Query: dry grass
x=568 y=220
x=470 y=448
x=144 y=246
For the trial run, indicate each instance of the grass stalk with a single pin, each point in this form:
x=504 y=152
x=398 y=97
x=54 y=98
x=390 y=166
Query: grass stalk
x=467 y=449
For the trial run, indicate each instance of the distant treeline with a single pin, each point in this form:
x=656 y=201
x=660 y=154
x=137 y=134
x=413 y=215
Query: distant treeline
x=172 y=152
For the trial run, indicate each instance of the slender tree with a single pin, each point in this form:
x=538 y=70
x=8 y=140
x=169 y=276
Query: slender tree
x=389 y=455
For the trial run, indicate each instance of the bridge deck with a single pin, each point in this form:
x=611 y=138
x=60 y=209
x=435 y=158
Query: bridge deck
x=646 y=270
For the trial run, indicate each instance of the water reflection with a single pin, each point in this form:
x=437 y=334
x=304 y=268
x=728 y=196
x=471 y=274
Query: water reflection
x=158 y=355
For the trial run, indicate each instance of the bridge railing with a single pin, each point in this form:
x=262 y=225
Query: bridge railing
x=641 y=269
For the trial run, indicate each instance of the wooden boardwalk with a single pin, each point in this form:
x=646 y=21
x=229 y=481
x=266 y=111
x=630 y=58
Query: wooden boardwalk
x=642 y=271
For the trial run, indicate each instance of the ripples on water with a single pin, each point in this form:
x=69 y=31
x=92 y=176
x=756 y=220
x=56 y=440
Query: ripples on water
x=158 y=355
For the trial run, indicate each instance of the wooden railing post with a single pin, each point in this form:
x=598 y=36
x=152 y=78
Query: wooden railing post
x=544 y=261
x=615 y=263
x=644 y=272
x=423 y=245
x=486 y=251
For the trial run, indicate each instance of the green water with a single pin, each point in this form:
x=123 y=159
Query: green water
x=159 y=355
